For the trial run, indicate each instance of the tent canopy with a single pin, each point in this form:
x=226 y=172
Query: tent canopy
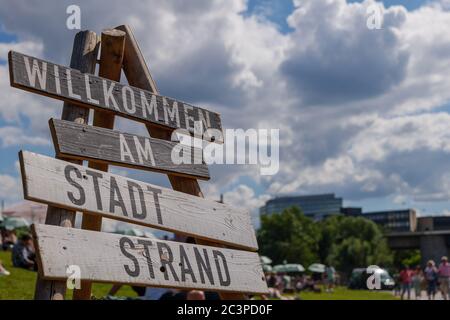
x=288 y=268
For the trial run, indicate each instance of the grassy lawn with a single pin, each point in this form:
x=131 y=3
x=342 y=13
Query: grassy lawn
x=342 y=293
x=20 y=284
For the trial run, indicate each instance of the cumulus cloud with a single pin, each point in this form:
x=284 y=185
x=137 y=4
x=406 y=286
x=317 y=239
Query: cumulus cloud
x=10 y=188
x=383 y=142
x=243 y=196
x=358 y=109
x=339 y=59
x=27 y=47
x=14 y=136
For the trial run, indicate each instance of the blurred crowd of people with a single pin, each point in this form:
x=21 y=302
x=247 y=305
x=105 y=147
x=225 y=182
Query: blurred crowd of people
x=431 y=279
x=22 y=250
x=281 y=283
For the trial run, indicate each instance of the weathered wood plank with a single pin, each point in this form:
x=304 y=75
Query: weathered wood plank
x=138 y=75
x=84 y=58
x=79 y=188
x=76 y=141
x=60 y=82
x=111 y=57
x=104 y=257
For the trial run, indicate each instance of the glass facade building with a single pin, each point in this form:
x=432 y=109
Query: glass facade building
x=395 y=220
x=315 y=206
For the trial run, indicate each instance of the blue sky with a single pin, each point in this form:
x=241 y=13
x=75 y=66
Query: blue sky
x=278 y=11
x=362 y=113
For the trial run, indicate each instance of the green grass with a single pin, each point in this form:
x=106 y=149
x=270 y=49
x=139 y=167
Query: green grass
x=20 y=284
x=342 y=293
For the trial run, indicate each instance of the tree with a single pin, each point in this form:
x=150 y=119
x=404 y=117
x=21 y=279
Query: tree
x=410 y=258
x=351 y=242
x=290 y=236
x=341 y=241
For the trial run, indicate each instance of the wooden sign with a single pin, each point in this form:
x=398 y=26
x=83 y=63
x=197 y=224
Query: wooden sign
x=64 y=83
x=77 y=141
x=113 y=258
x=66 y=185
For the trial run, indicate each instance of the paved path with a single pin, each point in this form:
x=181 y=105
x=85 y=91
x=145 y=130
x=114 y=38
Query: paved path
x=424 y=296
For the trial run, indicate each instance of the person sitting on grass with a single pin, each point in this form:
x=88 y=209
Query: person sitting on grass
x=23 y=255
x=9 y=238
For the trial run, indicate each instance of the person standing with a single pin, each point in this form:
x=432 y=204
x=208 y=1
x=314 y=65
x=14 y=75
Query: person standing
x=417 y=282
x=444 y=277
x=431 y=274
x=406 y=279
x=330 y=273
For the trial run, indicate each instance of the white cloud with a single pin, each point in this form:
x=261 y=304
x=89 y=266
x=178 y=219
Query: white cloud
x=355 y=106
x=243 y=196
x=10 y=188
x=14 y=136
x=28 y=47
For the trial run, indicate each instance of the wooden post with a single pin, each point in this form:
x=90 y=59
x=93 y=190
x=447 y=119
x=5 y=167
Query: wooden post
x=111 y=57
x=84 y=58
x=138 y=75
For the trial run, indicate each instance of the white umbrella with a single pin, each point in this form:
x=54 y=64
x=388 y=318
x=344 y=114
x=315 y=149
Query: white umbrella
x=317 y=267
x=265 y=260
x=288 y=268
x=12 y=223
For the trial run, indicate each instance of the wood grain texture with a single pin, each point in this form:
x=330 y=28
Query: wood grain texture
x=133 y=61
x=137 y=73
x=111 y=57
x=79 y=188
x=103 y=145
x=84 y=58
x=56 y=81
x=114 y=258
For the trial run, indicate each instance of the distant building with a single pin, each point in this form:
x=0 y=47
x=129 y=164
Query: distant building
x=433 y=223
x=351 y=211
x=394 y=220
x=315 y=206
x=31 y=211
x=441 y=223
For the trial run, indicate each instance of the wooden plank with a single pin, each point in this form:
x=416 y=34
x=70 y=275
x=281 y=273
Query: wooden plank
x=60 y=82
x=111 y=57
x=105 y=257
x=137 y=73
x=76 y=141
x=79 y=188
x=84 y=58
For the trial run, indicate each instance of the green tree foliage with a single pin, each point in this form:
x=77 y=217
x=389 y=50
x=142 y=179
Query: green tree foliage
x=410 y=258
x=289 y=236
x=351 y=242
x=341 y=241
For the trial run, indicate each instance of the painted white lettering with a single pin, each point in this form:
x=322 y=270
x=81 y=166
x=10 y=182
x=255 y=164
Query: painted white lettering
x=107 y=92
x=88 y=90
x=124 y=149
x=144 y=152
x=69 y=86
x=129 y=108
x=35 y=70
